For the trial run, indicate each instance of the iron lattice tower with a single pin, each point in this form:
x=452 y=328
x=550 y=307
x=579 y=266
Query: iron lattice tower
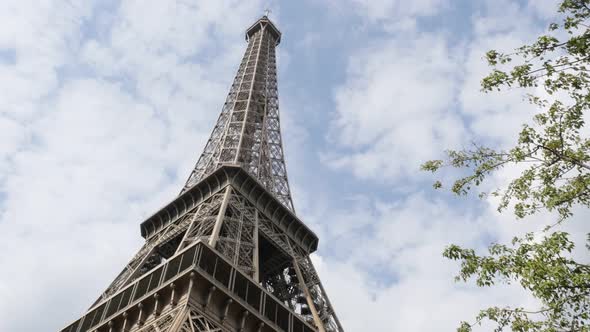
x=229 y=253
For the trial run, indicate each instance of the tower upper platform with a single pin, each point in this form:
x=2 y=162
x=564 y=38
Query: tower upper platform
x=262 y=22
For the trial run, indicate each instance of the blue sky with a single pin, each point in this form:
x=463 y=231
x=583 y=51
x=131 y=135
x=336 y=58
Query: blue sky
x=106 y=106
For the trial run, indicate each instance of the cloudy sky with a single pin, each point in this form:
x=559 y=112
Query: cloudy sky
x=106 y=105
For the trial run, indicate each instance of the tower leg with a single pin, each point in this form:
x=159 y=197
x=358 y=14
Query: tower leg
x=219 y=220
x=312 y=308
x=256 y=254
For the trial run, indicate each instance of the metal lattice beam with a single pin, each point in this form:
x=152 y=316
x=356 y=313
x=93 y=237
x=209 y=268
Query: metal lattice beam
x=247 y=132
x=194 y=222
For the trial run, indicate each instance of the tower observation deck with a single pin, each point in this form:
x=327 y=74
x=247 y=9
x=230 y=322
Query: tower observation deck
x=228 y=253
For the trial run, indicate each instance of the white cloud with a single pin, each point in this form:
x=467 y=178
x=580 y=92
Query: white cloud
x=179 y=57
x=42 y=35
x=412 y=95
x=496 y=117
x=71 y=198
x=545 y=9
x=390 y=274
x=97 y=134
x=404 y=100
x=396 y=107
x=396 y=15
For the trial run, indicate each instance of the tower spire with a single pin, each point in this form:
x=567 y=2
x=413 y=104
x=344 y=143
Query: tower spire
x=247 y=132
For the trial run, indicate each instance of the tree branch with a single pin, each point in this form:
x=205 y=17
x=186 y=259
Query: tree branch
x=564 y=157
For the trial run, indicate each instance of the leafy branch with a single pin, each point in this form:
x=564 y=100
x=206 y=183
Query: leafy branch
x=553 y=152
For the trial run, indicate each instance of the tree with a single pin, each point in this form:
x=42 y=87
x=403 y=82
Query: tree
x=554 y=151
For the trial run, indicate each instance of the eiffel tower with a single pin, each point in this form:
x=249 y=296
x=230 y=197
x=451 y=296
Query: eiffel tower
x=229 y=253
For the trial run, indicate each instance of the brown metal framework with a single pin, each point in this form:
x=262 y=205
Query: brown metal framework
x=248 y=131
x=227 y=254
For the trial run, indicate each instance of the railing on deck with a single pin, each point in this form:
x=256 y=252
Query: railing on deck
x=206 y=261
